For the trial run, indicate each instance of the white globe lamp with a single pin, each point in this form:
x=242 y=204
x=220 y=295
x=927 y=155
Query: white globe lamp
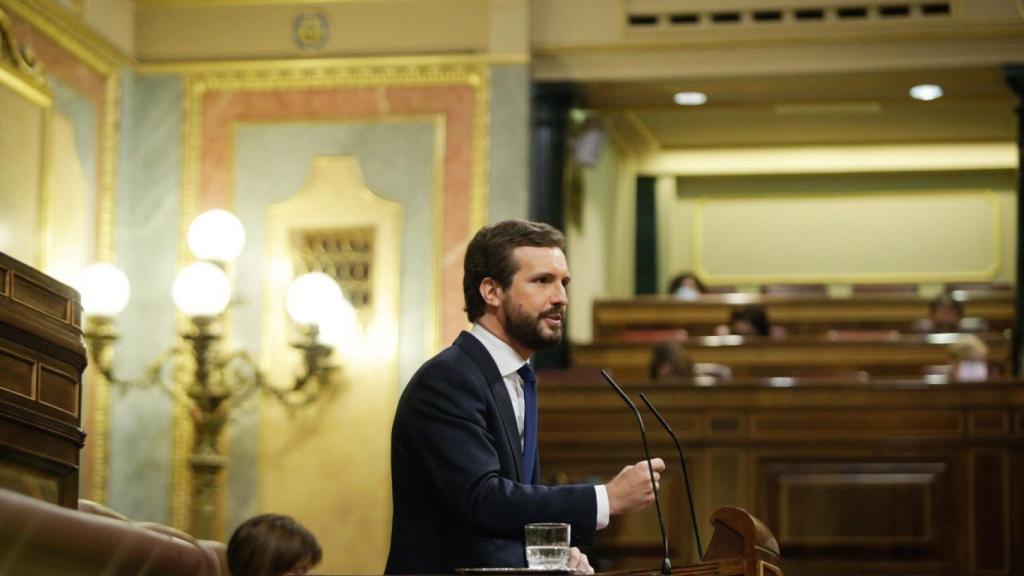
x=216 y=235
x=105 y=289
x=310 y=296
x=201 y=289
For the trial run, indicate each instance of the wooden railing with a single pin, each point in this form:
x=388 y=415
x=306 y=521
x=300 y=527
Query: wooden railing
x=809 y=355
x=890 y=477
x=797 y=313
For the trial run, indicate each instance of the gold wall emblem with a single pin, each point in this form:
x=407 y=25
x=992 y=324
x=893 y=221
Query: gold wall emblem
x=310 y=30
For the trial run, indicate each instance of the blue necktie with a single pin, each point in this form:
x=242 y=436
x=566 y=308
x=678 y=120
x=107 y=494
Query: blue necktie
x=529 y=421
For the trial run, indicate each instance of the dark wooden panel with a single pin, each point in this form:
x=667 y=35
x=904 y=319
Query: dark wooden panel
x=40 y=298
x=5 y=276
x=59 y=390
x=31 y=481
x=990 y=510
x=989 y=423
x=17 y=373
x=864 y=508
x=1016 y=508
x=843 y=424
x=859 y=508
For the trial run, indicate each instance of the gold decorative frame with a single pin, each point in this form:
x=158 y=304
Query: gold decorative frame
x=68 y=31
x=274 y=75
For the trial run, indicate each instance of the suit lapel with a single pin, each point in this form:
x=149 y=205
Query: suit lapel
x=479 y=355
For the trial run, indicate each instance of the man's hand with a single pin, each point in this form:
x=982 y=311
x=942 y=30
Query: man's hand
x=578 y=562
x=631 y=491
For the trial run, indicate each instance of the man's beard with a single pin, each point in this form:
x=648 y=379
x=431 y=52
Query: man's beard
x=528 y=330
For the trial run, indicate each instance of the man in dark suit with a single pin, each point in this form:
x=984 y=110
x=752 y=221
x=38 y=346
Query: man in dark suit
x=464 y=463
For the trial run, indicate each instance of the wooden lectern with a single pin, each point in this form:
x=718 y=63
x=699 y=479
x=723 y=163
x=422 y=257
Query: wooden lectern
x=41 y=362
x=740 y=546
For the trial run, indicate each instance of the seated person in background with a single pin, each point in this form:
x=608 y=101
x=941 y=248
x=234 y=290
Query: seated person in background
x=749 y=320
x=686 y=286
x=670 y=362
x=272 y=545
x=968 y=360
x=944 y=315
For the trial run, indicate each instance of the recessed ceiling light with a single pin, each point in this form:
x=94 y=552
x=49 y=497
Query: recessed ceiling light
x=690 y=98
x=926 y=92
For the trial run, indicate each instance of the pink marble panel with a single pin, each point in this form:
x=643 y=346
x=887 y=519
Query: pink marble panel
x=222 y=110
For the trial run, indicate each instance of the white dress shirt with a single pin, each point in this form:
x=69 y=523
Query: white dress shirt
x=509 y=361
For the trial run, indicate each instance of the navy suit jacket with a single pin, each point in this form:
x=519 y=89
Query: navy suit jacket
x=456 y=476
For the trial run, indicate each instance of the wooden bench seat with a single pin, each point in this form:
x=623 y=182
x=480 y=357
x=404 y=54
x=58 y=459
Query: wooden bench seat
x=892 y=355
x=798 y=313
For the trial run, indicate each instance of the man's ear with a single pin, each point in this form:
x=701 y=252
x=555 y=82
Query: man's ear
x=491 y=292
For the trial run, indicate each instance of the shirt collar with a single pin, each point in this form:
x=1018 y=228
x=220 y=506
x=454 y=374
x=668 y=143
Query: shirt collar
x=508 y=360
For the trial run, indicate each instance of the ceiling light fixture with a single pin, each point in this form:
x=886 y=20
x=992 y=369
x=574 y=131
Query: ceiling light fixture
x=690 y=98
x=926 y=92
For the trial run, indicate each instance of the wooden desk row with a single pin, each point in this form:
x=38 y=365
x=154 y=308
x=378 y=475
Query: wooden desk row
x=799 y=314
x=899 y=355
x=852 y=478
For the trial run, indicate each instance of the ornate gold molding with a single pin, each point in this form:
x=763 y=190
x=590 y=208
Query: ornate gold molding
x=219 y=3
x=70 y=33
x=20 y=70
x=296 y=65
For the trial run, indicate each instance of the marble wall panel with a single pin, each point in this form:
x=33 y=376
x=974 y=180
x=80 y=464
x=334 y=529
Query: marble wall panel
x=140 y=421
x=509 y=193
x=272 y=160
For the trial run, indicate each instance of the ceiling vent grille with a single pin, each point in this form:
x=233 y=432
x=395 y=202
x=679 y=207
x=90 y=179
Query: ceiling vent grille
x=805 y=14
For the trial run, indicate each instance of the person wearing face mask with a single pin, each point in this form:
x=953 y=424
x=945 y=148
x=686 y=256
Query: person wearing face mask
x=686 y=286
x=968 y=359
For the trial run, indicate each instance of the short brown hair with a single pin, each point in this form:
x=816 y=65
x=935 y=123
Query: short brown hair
x=271 y=545
x=489 y=255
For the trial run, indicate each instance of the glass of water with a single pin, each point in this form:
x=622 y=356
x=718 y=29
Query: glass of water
x=547 y=546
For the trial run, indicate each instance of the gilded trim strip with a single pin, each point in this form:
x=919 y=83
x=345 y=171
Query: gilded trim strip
x=481 y=148
x=70 y=33
x=106 y=225
x=100 y=436
x=284 y=65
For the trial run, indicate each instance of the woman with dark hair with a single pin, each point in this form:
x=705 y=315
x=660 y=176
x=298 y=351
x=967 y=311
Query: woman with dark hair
x=750 y=320
x=686 y=286
x=669 y=362
x=272 y=545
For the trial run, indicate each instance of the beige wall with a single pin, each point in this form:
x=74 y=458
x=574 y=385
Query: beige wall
x=114 y=20
x=168 y=30
x=902 y=227
x=601 y=246
x=22 y=126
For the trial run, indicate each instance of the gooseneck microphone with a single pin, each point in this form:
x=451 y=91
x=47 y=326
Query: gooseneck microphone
x=666 y=563
x=686 y=477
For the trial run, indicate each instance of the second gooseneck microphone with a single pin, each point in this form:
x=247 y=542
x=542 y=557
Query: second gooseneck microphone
x=686 y=477
x=666 y=563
